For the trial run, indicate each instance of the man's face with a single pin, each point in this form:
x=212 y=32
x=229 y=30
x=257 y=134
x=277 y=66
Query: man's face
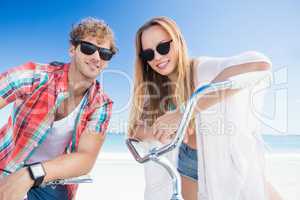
x=89 y=66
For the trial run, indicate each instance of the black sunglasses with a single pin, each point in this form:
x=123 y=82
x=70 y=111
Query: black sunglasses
x=162 y=48
x=89 y=49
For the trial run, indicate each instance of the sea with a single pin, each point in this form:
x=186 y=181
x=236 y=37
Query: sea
x=115 y=142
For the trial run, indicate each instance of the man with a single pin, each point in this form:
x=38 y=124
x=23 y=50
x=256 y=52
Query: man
x=59 y=119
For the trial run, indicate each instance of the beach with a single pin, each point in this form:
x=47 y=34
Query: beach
x=118 y=177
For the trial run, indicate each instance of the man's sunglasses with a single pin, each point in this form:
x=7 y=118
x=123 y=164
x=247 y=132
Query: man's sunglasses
x=89 y=49
x=162 y=48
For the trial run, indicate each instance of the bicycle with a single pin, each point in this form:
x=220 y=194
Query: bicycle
x=155 y=153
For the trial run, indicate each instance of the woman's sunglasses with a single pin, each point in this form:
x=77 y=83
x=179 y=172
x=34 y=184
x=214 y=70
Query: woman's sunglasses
x=162 y=48
x=89 y=49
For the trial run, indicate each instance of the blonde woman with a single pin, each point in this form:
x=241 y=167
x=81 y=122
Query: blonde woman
x=221 y=156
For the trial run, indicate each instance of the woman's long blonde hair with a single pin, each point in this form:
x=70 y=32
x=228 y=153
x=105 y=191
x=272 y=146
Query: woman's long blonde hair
x=152 y=92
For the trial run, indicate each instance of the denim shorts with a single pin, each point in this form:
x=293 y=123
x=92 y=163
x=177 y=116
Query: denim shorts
x=187 y=162
x=58 y=192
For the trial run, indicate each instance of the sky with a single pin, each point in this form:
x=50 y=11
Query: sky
x=35 y=30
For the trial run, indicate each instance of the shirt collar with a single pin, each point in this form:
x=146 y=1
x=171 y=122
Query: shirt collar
x=63 y=85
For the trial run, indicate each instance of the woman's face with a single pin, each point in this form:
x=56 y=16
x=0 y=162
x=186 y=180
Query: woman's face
x=163 y=63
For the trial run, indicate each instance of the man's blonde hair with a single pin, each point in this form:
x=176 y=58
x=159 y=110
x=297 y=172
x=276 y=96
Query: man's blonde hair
x=95 y=28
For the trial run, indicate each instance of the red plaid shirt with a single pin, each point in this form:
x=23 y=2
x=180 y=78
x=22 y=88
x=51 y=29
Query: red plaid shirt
x=37 y=91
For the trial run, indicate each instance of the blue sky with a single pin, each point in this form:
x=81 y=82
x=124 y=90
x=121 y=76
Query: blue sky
x=38 y=31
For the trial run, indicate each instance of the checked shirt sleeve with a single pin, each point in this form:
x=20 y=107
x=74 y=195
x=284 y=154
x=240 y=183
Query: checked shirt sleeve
x=99 y=120
x=18 y=81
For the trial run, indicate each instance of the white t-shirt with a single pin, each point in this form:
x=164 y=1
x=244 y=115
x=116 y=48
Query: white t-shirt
x=57 y=139
x=230 y=153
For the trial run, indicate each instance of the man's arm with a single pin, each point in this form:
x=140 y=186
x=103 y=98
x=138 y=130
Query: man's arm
x=16 y=185
x=77 y=163
x=81 y=162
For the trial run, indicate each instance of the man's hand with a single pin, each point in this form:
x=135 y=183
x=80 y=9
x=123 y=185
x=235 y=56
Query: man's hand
x=166 y=125
x=16 y=185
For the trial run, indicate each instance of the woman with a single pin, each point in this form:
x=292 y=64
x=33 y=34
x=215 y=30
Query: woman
x=220 y=157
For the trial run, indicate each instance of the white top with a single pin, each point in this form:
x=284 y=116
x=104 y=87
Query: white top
x=57 y=139
x=230 y=150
